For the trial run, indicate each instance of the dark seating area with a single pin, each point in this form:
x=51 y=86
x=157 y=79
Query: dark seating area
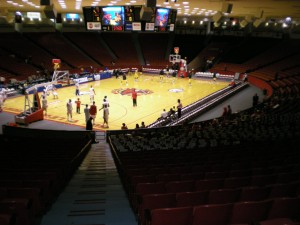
x=26 y=50
x=126 y=53
x=58 y=46
x=93 y=47
x=154 y=48
x=34 y=170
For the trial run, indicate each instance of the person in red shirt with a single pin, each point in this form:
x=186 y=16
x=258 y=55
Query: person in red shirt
x=93 y=111
x=134 y=97
x=78 y=103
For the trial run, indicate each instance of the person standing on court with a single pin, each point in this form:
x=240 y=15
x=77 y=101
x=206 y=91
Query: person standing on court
x=69 y=110
x=93 y=111
x=77 y=92
x=87 y=112
x=45 y=105
x=92 y=93
x=179 y=108
x=105 y=116
x=134 y=97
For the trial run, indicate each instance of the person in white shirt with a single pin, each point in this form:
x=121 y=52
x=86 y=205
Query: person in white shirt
x=92 y=94
x=44 y=105
x=77 y=92
x=164 y=114
x=69 y=110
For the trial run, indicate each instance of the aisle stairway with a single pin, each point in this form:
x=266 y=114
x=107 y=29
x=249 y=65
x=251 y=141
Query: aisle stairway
x=95 y=195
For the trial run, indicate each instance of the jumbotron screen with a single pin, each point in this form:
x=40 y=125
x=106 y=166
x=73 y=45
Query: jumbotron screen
x=127 y=18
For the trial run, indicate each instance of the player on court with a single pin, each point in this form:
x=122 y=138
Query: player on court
x=190 y=74
x=161 y=75
x=93 y=111
x=92 y=94
x=54 y=92
x=136 y=76
x=45 y=105
x=124 y=79
x=69 y=110
x=2 y=99
x=77 y=91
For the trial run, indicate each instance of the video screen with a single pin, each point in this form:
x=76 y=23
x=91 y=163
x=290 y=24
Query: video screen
x=161 y=17
x=113 y=15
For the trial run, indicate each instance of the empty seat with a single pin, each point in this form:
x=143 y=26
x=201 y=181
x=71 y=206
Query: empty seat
x=167 y=177
x=180 y=186
x=236 y=182
x=284 y=190
x=240 y=173
x=212 y=214
x=249 y=212
x=216 y=175
x=254 y=193
x=144 y=189
x=223 y=196
x=210 y=184
x=191 y=198
x=288 y=177
x=285 y=208
x=263 y=180
x=155 y=201
x=279 y=221
x=150 y=188
x=142 y=179
x=192 y=176
x=174 y=216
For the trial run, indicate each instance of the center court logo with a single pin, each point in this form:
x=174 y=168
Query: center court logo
x=128 y=91
x=176 y=90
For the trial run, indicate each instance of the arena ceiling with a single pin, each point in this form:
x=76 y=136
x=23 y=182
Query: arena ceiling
x=186 y=8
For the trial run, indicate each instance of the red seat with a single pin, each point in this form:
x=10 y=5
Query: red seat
x=211 y=184
x=216 y=175
x=192 y=176
x=263 y=180
x=254 y=193
x=155 y=201
x=144 y=189
x=279 y=221
x=248 y=212
x=236 y=182
x=191 y=198
x=180 y=186
x=172 y=216
x=284 y=190
x=285 y=208
x=167 y=177
x=212 y=214
x=223 y=196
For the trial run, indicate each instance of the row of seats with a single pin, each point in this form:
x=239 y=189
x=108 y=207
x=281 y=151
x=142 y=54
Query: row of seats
x=268 y=212
x=180 y=194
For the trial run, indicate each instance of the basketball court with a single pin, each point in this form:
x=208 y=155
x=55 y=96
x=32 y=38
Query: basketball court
x=154 y=95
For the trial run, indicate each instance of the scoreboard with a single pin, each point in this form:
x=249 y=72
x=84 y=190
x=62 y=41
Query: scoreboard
x=127 y=18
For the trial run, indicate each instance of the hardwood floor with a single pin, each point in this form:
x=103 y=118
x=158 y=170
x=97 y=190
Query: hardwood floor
x=154 y=95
